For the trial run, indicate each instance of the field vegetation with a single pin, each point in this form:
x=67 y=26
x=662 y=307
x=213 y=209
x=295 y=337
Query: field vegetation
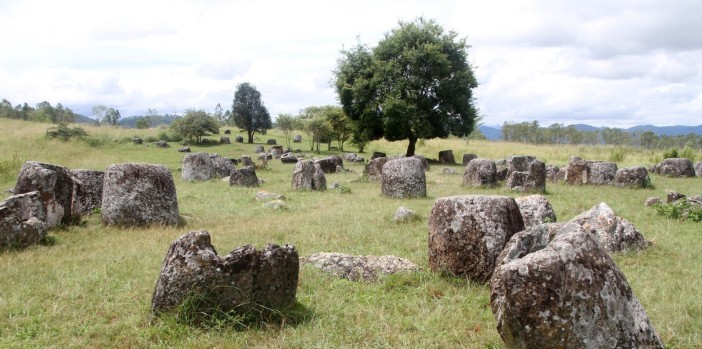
x=90 y=285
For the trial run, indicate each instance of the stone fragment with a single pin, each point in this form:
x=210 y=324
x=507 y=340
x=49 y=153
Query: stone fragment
x=480 y=173
x=404 y=215
x=259 y=149
x=359 y=268
x=535 y=209
x=268 y=196
x=652 y=201
x=223 y=167
x=288 y=158
x=601 y=172
x=197 y=167
x=137 y=195
x=676 y=167
x=350 y=157
x=22 y=218
x=271 y=141
x=374 y=168
x=87 y=191
x=526 y=174
x=227 y=132
x=184 y=150
x=224 y=140
x=330 y=163
x=277 y=205
x=239 y=139
x=137 y=140
x=162 y=144
x=559 y=289
x=672 y=196
x=552 y=174
x=246 y=161
x=446 y=157
x=448 y=171
x=403 y=178
x=308 y=176
x=378 y=154
x=277 y=151
x=632 y=177
x=239 y=282
x=614 y=233
x=576 y=171
x=698 y=168
x=297 y=139
x=501 y=170
x=243 y=177
x=467 y=233
x=55 y=186
x=468 y=157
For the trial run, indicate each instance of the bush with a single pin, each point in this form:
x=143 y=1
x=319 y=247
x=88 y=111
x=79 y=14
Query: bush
x=680 y=209
x=169 y=137
x=617 y=154
x=65 y=133
x=672 y=153
x=688 y=153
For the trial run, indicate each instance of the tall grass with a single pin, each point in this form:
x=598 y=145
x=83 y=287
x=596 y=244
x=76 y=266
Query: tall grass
x=92 y=287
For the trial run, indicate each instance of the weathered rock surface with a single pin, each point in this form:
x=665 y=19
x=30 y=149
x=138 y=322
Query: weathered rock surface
x=698 y=168
x=526 y=174
x=308 y=176
x=480 y=173
x=277 y=151
x=601 y=172
x=556 y=288
x=277 y=205
x=467 y=233
x=271 y=141
x=243 y=177
x=197 y=167
x=238 y=282
x=468 y=157
x=359 y=268
x=87 y=191
x=259 y=149
x=501 y=169
x=350 y=157
x=374 y=169
x=137 y=140
x=446 y=157
x=22 y=218
x=139 y=195
x=403 y=178
x=268 y=196
x=184 y=150
x=239 y=139
x=676 y=167
x=576 y=171
x=632 y=177
x=223 y=167
x=329 y=164
x=55 y=186
x=162 y=144
x=535 y=209
x=288 y=158
x=652 y=201
x=614 y=233
x=224 y=140
x=404 y=215
x=552 y=174
x=672 y=196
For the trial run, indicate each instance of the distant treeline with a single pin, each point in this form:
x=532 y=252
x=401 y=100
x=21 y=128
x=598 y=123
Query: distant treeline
x=42 y=112
x=531 y=132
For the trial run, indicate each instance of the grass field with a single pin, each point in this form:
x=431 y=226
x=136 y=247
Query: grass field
x=91 y=285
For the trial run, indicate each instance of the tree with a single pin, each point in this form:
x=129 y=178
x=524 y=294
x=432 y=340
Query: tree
x=341 y=125
x=111 y=117
x=286 y=123
x=219 y=114
x=416 y=83
x=195 y=123
x=143 y=123
x=315 y=125
x=249 y=112
x=99 y=111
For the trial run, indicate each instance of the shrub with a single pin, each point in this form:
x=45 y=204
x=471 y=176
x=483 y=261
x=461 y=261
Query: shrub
x=689 y=153
x=617 y=154
x=680 y=209
x=672 y=153
x=65 y=133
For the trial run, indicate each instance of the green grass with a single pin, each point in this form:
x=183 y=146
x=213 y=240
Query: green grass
x=91 y=287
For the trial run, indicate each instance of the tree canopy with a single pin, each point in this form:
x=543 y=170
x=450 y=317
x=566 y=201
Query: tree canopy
x=416 y=83
x=195 y=123
x=249 y=112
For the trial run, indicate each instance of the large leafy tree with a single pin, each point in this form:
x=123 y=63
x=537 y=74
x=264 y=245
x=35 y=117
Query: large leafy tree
x=195 y=124
x=416 y=83
x=249 y=112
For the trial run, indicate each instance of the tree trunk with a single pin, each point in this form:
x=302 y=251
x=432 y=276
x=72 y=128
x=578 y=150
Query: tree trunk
x=411 y=146
x=250 y=134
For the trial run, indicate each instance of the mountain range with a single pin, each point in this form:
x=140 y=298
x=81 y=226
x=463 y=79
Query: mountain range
x=494 y=133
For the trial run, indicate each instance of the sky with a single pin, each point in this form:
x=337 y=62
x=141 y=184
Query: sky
x=604 y=63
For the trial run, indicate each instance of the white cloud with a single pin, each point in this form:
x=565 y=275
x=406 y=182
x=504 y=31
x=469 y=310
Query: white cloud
x=624 y=62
